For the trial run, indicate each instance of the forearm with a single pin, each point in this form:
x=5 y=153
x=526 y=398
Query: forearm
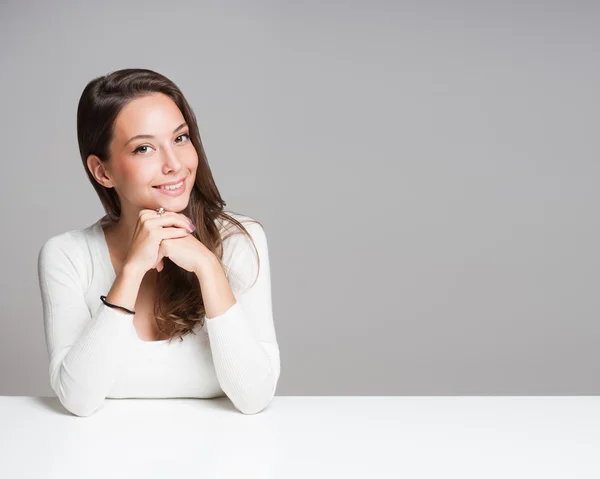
x=83 y=377
x=246 y=368
x=216 y=291
x=126 y=287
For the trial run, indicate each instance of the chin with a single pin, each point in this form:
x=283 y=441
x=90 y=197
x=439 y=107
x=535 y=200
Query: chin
x=172 y=205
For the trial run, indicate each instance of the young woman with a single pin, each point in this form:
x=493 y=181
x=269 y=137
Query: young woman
x=165 y=262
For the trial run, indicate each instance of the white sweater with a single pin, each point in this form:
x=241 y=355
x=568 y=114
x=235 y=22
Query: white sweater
x=96 y=353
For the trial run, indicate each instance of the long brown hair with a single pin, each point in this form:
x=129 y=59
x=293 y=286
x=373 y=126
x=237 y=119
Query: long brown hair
x=179 y=306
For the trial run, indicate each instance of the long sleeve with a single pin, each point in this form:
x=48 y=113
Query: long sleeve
x=85 y=349
x=243 y=340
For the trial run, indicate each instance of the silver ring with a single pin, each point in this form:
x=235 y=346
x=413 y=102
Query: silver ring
x=160 y=211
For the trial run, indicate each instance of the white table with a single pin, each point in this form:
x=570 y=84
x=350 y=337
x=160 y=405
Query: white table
x=305 y=437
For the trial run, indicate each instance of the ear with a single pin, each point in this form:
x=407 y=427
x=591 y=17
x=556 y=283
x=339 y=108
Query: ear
x=98 y=171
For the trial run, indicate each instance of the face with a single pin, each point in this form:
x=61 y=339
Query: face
x=163 y=154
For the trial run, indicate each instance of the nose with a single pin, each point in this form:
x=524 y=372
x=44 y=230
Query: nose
x=171 y=162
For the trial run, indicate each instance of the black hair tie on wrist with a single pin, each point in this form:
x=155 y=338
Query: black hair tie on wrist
x=103 y=298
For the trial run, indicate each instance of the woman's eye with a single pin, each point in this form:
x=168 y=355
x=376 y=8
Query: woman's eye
x=185 y=134
x=139 y=147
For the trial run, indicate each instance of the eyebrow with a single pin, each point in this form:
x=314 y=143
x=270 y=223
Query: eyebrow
x=139 y=137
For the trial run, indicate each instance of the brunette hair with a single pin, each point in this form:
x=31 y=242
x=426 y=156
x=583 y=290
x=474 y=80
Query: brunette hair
x=179 y=306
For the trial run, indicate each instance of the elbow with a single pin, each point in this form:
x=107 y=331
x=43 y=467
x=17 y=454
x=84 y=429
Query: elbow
x=250 y=408
x=75 y=399
x=256 y=403
x=81 y=406
x=83 y=411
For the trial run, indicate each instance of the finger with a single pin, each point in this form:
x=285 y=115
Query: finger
x=154 y=213
x=143 y=216
x=159 y=264
x=147 y=213
x=171 y=219
x=167 y=233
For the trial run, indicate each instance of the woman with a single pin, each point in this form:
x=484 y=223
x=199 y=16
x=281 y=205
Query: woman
x=157 y=266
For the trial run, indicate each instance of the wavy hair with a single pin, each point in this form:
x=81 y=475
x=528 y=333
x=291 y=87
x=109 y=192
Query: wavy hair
x=178 y=307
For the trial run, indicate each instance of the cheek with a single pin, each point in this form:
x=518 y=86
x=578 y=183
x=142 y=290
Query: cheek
x=134 y=174
x=191 y=159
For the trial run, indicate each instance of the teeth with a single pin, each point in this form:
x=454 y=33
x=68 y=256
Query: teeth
x=171 y=187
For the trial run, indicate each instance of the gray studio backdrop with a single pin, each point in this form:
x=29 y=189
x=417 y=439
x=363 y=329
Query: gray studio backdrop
x=427 y=176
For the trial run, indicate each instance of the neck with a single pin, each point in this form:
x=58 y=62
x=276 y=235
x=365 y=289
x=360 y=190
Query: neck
x=121 y=233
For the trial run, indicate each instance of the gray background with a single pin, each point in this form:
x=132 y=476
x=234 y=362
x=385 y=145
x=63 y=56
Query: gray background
x=426 y=173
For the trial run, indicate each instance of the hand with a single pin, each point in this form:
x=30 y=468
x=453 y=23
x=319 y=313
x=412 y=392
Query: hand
x=186 y=252
x=150 y=230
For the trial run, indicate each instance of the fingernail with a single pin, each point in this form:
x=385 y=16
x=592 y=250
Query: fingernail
x=192 y=228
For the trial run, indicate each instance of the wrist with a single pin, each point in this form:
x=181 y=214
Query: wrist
x=206 y=264
x=133 y=272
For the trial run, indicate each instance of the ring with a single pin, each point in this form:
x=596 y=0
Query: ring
x=160 y=211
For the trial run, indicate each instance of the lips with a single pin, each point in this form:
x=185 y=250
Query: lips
x=173 y=192
x=170 y=183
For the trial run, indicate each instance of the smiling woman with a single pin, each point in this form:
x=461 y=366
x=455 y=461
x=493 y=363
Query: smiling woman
x=160 y=277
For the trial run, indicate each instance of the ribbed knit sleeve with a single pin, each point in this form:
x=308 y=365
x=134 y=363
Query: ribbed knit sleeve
x=85 y=349
x=243 y=341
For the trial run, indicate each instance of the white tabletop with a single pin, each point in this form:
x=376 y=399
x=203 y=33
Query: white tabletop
x=305 y=437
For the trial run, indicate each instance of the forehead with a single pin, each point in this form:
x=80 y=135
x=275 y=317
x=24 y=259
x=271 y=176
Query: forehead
x=154 y=114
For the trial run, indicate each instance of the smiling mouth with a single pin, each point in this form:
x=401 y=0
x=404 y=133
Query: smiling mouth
x=175 y=186
x=178 y=183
